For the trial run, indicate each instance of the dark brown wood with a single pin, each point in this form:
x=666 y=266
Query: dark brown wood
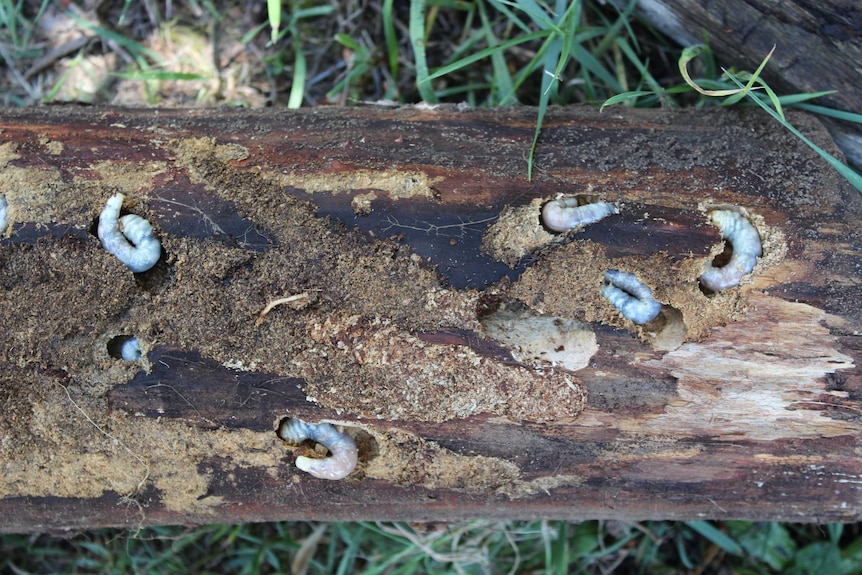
x=818 y=46
x=380 y=222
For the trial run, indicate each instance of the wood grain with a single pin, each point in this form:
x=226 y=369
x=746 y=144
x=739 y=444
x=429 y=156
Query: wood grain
x=379 y=215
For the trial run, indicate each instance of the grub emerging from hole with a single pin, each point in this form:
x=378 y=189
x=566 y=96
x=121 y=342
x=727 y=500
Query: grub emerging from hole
x=567 y=214
x=135 y=245
x=630 y=296
x=3 y=208
x=125 y=347
x=738 y=231
x=343 y=449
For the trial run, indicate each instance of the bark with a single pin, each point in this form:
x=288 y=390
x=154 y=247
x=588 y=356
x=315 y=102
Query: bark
x=467 y=350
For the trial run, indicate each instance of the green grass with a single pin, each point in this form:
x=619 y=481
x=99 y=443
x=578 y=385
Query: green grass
x=541 y=547
x=731 y=88
x=485 y=53
x=571 y=51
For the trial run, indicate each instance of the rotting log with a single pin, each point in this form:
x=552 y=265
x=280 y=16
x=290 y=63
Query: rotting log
x=818 y=47
x=376 y=225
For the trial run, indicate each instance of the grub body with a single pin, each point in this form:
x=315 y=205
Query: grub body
x=3 y=210
x=344 y=455
x=738 y=230
x=131 y=349
x=565 y=214
x=630 y=296
x=135 y=245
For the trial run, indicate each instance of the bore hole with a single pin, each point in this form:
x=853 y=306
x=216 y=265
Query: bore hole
x=125 y=347
x=94 y=225
x=667 y=331
x=723 y=258
x=718 y=262
x=537 y=339
x=487 y=305
x=155 y=277
x=366 y=444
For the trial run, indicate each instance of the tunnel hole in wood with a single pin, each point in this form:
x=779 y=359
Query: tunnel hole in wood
x=125 y=347
x=719 y=261
x=744 y=248
x=366 y=444
x=723 y=258
x=667 y=331
x=536 y=339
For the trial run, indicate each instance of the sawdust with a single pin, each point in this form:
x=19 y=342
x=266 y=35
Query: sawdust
x=53 y=147
x=517 y=233
x=130 y=177
x=8 y=152
x=30 y=194
x=576 y=271
x=382 y=371
x=408 y=460
x=362 y=203
x=396 y=184
x=356 y=341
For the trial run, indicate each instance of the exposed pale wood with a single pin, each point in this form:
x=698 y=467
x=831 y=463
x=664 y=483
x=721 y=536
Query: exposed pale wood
x=756 y=417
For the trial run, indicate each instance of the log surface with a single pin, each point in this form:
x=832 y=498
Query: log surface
x=426 y=301
x=818 y=47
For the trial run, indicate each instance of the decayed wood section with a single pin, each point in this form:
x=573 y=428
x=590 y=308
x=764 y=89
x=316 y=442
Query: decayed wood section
x=818 y=46
x=425 y=300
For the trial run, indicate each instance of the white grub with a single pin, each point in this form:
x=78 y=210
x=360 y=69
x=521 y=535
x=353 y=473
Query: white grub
x=343 y=460
x=144 y=250
x=631 y=296
x=3 y=209
x=745 y=241
x=565 y=214
x=131 y=349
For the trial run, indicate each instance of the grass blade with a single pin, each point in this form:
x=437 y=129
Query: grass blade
x=389 y=37
x=159 y=75
x=502 y=78
x=797 y=98
x=831 y=112
x=273 y=13
x=548 y=81
x=417 y=40
x=624 y=97
x=716 y=536
x=297 y=86
x=689 y=54
x=481 y=54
